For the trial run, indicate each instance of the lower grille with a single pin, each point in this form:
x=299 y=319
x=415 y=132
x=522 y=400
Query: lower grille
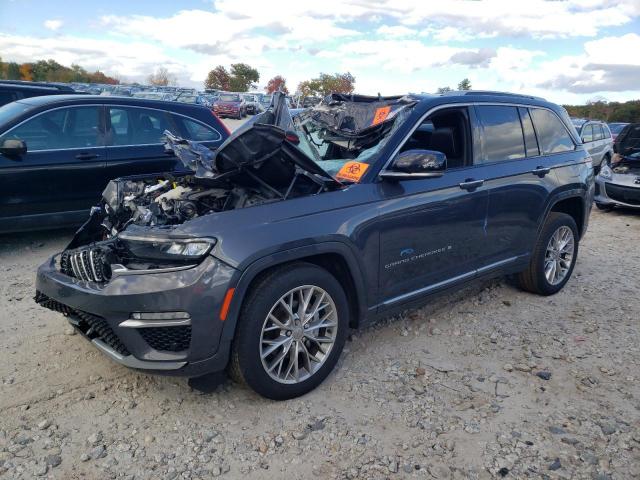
x=168 y=339
x=91 y=325
x=628 y=195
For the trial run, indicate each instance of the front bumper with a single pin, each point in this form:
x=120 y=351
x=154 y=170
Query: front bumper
x=99 y=312
x=613 y=192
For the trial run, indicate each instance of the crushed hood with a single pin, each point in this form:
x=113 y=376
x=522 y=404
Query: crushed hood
x=259 y=148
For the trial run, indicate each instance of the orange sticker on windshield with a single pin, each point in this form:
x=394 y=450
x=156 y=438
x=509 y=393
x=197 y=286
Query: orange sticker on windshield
x=352 y=171
x=381 y=115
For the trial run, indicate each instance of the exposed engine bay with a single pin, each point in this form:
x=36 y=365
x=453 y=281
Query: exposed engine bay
x=626 y=167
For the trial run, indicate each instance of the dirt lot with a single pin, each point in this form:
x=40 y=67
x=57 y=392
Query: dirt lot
x=490 y=383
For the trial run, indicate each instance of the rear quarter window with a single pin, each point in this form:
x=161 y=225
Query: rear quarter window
x=197 y=131
x=553 y=137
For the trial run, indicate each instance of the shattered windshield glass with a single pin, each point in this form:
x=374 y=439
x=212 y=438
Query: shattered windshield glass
x=331 y=149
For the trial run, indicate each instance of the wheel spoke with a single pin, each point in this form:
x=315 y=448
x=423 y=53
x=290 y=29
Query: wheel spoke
x=298 y=333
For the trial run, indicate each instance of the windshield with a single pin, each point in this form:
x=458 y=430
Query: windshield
x=187 y=99
x=266 y=99
x=331 y=151
x=249 y=98
x=11 y=110
x=225 y=97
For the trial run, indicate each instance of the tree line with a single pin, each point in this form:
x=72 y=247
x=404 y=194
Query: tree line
x=51 y=71
x=628 y=112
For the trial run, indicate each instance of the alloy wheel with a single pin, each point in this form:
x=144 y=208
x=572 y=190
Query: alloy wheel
x=298 y=334
x=559 y=255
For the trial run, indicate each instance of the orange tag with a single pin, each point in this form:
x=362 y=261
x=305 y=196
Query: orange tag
x=352 y=171
x=381 y=115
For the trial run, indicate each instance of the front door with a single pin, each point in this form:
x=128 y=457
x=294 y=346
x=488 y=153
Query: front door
x=432 y=230
x=57 y=181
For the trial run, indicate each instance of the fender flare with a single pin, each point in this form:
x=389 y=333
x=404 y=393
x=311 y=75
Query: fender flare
x=558 y=197
x=285 y=256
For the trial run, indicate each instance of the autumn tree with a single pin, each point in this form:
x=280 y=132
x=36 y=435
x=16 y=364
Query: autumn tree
x=243 y=77
x=277 y=83
x=217 y=79
x=465 y=84
x=444 y=89
x=25 y=72
x=326 y=84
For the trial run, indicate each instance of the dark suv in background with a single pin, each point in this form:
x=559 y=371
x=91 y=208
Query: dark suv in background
x=57 y=153
x=12 y=90
x=296 y=229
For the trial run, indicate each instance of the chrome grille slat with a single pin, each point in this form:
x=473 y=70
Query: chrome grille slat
x=84 y=256
x=96 y=277
x=74 y=266
x=83 y=272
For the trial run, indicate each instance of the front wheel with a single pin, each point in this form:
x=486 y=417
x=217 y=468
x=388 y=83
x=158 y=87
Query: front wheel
x=291 y=331
x=554 y=256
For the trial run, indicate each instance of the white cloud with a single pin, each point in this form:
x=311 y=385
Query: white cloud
x=52 y=25
x=395 y=31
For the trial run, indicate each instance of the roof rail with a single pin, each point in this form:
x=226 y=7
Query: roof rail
x=497 y=94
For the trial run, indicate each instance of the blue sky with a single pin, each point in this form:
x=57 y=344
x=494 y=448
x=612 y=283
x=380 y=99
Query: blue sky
x=567 y=51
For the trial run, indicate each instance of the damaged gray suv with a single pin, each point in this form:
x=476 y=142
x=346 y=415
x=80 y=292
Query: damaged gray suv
x=296 y=229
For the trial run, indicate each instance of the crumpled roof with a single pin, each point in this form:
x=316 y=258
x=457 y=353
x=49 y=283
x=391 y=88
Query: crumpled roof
x=356 y=115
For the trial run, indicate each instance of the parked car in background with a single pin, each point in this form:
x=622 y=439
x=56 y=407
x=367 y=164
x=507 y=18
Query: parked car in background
x=194 y=99
x=265 y=101
x=230 y=105
x=305 y=227
x=12 y=90
x=149 y=95
x=57 y=153
x=616 y=128
x=253 y=105
x=596 y=137
x=618 y=184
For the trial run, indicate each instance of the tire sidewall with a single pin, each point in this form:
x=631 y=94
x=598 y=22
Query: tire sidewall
x=548 y=232
x=248 y=345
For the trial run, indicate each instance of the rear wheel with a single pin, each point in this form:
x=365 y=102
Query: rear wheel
x=292 y=329
x=554 y=256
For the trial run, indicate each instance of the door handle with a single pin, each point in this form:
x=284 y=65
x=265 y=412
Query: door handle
x=541 y=171
x=87 y=156
x=470 y=184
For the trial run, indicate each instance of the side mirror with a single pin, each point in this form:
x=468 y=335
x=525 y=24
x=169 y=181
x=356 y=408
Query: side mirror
x=13 y=148
x=414 y=164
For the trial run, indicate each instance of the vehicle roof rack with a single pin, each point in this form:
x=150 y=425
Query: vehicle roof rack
x=494 y=94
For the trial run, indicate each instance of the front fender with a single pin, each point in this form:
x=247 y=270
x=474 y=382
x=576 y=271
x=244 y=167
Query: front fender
x=247 y=276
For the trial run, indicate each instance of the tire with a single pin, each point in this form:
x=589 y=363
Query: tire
x=534 y=279
x=251 y=342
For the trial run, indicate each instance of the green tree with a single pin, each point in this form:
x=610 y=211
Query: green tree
x=326 y=84
x=217 y=79
x=243 y=77
x=465 y=84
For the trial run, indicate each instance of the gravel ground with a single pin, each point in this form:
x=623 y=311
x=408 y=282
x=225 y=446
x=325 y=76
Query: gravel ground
x=488 y=383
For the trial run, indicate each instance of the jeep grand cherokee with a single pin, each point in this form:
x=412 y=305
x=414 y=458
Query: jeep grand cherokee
x=296 y=229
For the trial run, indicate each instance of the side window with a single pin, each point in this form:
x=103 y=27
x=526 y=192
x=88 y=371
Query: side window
x=587 y=134
x=552 y=134
x=607 y=132
x=137 y=126
x=63 y=128
x=503 y=137
x=197 y=131
x=445 y=131
x=530 y=141
x=598 y=134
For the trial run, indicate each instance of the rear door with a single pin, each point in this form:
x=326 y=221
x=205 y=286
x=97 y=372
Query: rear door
x=518 y=178
x=58 y=179
x=136 y=145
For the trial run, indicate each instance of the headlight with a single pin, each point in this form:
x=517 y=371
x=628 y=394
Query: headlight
x=606 y=172
x=167 y=249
